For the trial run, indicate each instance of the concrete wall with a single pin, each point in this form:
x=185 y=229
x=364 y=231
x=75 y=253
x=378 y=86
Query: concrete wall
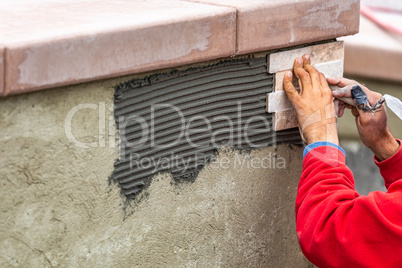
x=57 y=208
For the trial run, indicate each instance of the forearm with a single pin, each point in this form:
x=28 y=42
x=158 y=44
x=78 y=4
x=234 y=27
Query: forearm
x=334 y=224
x=336 y=227
x=391 y=167
x=385 y=147
x=323 y=185
x=321 y=131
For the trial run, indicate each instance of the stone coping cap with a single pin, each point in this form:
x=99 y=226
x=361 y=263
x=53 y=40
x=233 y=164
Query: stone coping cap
x=48 y=43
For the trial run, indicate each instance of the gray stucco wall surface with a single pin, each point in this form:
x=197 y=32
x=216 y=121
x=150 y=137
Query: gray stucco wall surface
x=57 y=208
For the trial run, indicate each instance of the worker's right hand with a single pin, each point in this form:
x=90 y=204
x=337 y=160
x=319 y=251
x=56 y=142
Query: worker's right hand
x=314 y=104
x=373 y=128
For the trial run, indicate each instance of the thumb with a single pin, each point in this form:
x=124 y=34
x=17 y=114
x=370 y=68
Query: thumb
x=354 y=111
x=359 y=114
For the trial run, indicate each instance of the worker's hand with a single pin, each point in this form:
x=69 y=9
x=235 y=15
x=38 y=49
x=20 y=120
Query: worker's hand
x=373 y=128
x=314 y=104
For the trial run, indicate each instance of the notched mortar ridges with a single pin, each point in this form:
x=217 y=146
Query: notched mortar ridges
x=124 y=170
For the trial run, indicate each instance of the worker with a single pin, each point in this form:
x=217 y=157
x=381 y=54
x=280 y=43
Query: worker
x=336 y=227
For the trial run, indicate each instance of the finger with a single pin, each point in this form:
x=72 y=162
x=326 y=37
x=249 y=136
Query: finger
x=324 y=85
x=337 y=107
x=323 y=80
x=314 y=74
x=373 y=97
x=362 y=117
x=340 y=82
x=359 y=112
x=341 y=108
x=293 y=95
x=302 y=75
x=366 y=118
x=344 y=92
x=341 y=111
x=364 y=95
x=357 y=120
x=333 y=80
x=348 y=106
x=355 y=113
x=346 y=87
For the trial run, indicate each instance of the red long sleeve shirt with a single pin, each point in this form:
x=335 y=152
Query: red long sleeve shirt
x=338 y=228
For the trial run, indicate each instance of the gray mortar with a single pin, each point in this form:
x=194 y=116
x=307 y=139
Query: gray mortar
x=209 y=91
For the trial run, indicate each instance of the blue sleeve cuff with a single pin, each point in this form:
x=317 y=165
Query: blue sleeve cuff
x=321 y=143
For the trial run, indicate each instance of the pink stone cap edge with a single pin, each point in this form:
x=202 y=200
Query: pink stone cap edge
x=215 y=30
x=264 y=25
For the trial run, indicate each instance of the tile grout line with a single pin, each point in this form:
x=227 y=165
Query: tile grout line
x=4 y=72
x=237 y=33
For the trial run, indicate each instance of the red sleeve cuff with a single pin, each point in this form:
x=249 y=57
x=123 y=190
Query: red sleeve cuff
x=329 y=155
x=391 y=168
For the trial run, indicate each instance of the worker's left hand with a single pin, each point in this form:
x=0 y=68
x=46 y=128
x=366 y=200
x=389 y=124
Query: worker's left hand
x=372 y=127
x=314 y=104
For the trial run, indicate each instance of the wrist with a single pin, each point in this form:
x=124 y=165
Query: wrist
x=385 y=147
x=325 y=132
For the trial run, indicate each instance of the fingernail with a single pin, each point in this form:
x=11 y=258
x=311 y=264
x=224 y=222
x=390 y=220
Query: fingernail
x=307 y=57
x=289 y=74
x=300 y=60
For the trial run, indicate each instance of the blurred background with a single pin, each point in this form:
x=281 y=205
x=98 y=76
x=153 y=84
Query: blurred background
x=373 y=57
